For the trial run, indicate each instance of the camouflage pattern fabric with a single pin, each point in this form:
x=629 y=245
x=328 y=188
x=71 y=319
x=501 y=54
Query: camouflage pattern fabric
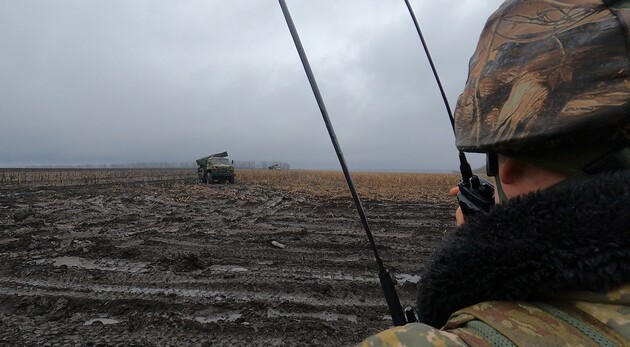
x=612 y=309
x=576 y=319
x=548 y=74
x=415 y=334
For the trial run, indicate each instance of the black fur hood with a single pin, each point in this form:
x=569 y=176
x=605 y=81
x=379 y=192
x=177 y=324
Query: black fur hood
x=558 y=240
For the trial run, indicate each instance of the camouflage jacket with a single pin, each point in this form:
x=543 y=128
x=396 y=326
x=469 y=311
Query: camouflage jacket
x=579 y=319
x=492 y=281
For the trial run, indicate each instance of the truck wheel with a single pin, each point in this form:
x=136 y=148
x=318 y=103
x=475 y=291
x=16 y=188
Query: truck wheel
x=231 y=179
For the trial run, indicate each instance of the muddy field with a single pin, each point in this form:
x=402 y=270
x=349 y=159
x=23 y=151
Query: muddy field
x=177 y=263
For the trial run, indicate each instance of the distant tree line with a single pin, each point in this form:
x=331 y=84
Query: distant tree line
x=155 y=165
x=477 y=171
x=152 y=165
x=261 y=164
x=168 y=165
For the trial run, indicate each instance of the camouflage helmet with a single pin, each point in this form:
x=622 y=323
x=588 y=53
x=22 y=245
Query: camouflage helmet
x=548 y=74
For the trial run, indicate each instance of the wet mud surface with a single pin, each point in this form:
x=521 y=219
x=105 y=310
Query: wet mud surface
x=180 y=263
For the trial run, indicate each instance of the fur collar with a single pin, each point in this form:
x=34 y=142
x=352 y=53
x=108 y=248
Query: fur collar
x=572 y=238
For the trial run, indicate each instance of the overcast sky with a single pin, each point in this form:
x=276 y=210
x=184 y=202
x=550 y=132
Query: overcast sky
x=99 y=82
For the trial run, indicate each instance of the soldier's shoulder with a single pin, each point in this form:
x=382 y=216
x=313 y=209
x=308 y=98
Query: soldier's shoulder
x=611 y=308
x=414 y=334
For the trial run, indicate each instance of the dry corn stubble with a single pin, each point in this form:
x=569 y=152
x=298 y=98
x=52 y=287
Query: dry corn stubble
x=370 y=185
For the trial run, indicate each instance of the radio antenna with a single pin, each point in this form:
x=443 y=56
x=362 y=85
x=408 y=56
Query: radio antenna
x=464 y=166
x=475 y=194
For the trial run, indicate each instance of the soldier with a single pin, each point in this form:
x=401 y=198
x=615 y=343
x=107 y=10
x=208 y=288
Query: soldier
x=548 y=99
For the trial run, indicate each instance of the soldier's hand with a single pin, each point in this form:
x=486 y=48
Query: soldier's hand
x=459 y=215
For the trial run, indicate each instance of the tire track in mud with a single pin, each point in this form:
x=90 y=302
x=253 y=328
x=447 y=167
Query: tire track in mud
x=74 y=289
x=161 y=264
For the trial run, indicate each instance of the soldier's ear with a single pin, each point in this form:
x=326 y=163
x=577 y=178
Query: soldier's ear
x=511 y=171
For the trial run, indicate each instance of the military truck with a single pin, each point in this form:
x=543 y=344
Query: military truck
x=215 y=168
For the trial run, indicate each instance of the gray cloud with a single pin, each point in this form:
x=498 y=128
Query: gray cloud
x=129 y=81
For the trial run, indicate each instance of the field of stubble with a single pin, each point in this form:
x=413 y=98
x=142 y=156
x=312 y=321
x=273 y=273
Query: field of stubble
x=152 y=258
